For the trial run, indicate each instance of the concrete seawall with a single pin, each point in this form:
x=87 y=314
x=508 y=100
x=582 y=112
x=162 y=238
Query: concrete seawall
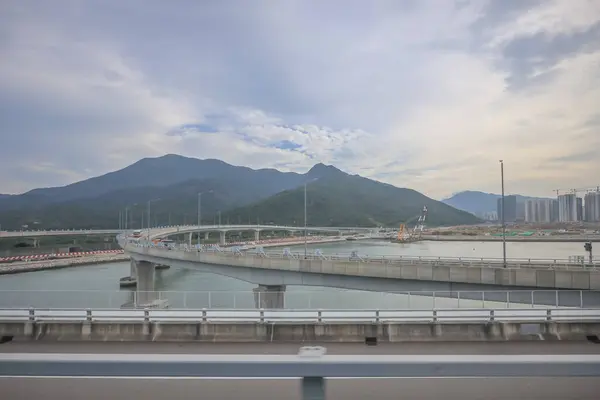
x=17 y=268
x=518 y=239
x=298 y=332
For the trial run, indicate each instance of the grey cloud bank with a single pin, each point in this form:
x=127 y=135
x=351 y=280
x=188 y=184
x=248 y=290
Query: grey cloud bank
x=421 y=94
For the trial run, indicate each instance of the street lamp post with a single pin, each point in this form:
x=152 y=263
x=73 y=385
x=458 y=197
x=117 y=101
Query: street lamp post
x=305 y=219
x=503 y=215
x=148 y=216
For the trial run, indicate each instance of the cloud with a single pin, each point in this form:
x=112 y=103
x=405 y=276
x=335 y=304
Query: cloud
x=421 y=94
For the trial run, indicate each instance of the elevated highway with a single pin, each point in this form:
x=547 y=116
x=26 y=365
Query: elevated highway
x=189 y=230
x=273 y=271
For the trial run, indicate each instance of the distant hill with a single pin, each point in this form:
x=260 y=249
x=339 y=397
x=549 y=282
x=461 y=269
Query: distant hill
x=339 y=199
x=241 y=194
x=158 y=172
x=478 y=202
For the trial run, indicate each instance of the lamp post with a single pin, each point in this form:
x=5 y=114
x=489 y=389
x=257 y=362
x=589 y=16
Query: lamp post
x=305 y=219
x=503 y=215
x=148 y=216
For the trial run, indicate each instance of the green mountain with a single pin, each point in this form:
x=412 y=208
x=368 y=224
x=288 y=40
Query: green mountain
x=339 y=199
x=239 y=195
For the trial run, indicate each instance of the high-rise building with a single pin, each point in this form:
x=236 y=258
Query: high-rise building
x=579 y=209
x=510 y=208
x=553 y=210
x=539 y=210
x=592 y=206
x=567 y=207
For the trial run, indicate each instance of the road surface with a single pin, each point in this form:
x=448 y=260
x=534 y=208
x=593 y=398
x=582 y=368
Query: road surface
x=338 y=389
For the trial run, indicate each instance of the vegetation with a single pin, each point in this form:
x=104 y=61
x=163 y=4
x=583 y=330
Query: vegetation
x=238 y=195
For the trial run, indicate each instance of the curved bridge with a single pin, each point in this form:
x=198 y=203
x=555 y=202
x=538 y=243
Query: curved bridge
x=272 y=271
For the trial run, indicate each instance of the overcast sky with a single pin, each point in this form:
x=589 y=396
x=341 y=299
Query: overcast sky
x=421 y=94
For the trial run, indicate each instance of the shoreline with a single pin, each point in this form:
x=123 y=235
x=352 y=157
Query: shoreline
x=18 y=268
x=519 y=239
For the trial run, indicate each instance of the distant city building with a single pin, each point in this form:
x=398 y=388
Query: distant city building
x=488 y=216
x=567 y=207
x=520 y=216
x=510 y=208
x=592 y=207
x=541 y=210
x=579 y=209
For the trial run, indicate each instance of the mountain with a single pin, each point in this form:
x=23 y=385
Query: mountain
x=240 y=194
x=158 y=172
x=478 y=202
x=340 y=199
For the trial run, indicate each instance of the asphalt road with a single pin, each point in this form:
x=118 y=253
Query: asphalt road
x=533 y=347
x=336 y=389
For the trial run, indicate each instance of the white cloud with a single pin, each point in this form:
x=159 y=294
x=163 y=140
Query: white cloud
x=406 y=92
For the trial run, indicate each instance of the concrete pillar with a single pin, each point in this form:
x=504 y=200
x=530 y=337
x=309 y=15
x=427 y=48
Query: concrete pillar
x=146 y=294
x=36 y=243
x=206 y=235
x=256 y=236
x=222 y=238
x=189 y=239
x=269 y=296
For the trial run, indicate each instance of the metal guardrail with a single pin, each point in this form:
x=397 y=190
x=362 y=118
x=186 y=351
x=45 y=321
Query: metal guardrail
x=302 y=316
x=379 y=259
x=315 y=299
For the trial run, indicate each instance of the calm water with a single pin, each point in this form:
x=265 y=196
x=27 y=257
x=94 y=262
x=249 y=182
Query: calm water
x=98 y=285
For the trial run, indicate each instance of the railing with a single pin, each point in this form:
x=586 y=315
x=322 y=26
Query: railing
x=378 y=259
x=301 y=316
x=182 y=227
x=303 y=299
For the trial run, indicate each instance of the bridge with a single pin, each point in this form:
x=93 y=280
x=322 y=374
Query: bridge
x=273 y=271
x=189 y=230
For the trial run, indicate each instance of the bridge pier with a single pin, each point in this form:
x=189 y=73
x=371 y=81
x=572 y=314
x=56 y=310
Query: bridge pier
x=269 y=296
x=189 y=238
x=131 y=280
x=206 y=235
x=256 y=236
x=222 y=238
x=146 y=294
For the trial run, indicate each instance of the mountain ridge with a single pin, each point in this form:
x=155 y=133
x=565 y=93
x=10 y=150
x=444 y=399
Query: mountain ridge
x=176 y=181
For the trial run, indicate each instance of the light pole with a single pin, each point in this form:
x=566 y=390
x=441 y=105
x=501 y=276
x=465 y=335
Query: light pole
x=503 y=215
x=305 y=219
x=148 y=216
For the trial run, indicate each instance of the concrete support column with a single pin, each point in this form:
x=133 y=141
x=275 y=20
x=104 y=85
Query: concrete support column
x=222 y=238
x=146 y=294
x=256 y=236
x=269 y=296
x=206 y=235
x=145 y=287
x=189 y=239
x=36 y=243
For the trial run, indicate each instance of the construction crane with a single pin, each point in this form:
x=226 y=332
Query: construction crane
x=404 y=235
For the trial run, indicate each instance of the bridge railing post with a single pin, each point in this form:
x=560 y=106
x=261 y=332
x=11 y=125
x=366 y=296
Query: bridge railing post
x=88 y=315
x=31 y=314
x=435 y=316
x=492 y=316
x=549 y=314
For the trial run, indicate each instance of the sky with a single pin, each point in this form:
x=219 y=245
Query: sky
x=425 y=94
